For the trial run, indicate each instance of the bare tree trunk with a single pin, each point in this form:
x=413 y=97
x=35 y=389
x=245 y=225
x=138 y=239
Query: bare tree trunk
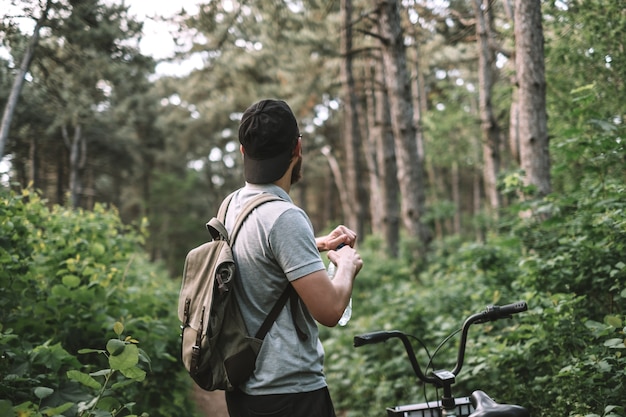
x=489 y=125
x=530 y=69
x=376 y=203
x=477 y=197
x=9 y=108
x=34 y=162
x=77 y=146
x=387 y=210
x=353 y=213
x=410 y=172
x=456 y=197
x=419 y=106
x=508 y=8
x=335 y=170
x=60 y=180
x=514 y=126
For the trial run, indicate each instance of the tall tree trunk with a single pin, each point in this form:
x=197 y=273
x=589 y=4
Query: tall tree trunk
x=335 y=169
x=376 y=203
x=489 y=125
x=419 y=108
x=16 y=89
x=419 y=102
x=60 y=175
x=477 y=195
x=386 y=211
x=410 y=172
x=530 y=72
x=514 y=126
x=34 y=162
x=456 y=197
x=77 y=146
x=353 y=213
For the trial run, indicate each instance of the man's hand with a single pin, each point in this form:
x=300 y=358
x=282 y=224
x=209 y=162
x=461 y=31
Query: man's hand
x=340 y=235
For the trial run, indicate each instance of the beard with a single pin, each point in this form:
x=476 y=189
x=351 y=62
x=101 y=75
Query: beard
x=296 y=172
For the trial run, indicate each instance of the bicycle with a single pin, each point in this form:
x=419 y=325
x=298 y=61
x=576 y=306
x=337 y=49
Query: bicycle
x=479 y=404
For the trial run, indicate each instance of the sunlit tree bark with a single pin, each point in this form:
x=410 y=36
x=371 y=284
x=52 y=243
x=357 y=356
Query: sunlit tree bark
x=16 y=89
x=409 y=169
x=530 y=73
x=385 y=207
x=489 y=124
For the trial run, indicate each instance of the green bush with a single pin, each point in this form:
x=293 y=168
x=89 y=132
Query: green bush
x=68 y=276
x=564 y=357
x=86 y=394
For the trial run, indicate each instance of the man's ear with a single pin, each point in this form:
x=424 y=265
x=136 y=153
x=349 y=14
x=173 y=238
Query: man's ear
x=241 y=149
x=297 y=151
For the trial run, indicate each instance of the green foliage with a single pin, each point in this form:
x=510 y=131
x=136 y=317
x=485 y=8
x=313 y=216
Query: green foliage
x=67 y=277
x=565 y=356
x=99 y=398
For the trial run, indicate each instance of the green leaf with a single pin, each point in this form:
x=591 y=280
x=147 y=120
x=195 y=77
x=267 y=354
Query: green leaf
x=616 y=343
x=128 y=358
x=84 y=351
x=115 y=347
x=613 y=321
x=98 y=249
x=134 y=373
x=43 y=392
x=61 y=291
x=102 y=372
x=56 y=411
x=84 y=379
x=118 y=328
x=109 y=404
x=71 y=281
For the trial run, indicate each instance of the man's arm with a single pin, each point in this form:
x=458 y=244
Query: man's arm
x=325 y=299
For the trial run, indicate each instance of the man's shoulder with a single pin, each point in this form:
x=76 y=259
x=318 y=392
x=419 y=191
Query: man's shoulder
x=279 y=211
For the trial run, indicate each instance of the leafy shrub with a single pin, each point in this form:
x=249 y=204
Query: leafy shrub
x=564 y=357
x=67 y=277
x=100 y=388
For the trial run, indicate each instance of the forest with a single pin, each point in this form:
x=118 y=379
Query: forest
x=476 y=146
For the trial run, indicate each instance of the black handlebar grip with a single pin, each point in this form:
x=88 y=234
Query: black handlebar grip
x=493 y=313
x=509 y=309
x=371 y=338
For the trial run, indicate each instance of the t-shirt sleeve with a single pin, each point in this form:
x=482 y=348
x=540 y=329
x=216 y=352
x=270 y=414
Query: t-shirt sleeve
x=293 y=243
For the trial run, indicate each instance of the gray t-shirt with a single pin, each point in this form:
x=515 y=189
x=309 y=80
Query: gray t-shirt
x=276 y=244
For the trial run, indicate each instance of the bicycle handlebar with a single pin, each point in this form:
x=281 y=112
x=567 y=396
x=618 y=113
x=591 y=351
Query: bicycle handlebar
x=491 y=313
x=381 y=336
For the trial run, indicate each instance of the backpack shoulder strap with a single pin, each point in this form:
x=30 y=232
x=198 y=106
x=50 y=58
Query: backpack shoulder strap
x=288 y=294
x=216 y=226
x=247 y=209
x=273 y=315
x=221 y=213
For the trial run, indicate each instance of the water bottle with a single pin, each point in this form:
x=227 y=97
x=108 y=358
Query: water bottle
x=347 y=313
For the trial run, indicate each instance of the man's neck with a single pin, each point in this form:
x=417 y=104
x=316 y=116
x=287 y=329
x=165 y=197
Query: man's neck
x=285 y=182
